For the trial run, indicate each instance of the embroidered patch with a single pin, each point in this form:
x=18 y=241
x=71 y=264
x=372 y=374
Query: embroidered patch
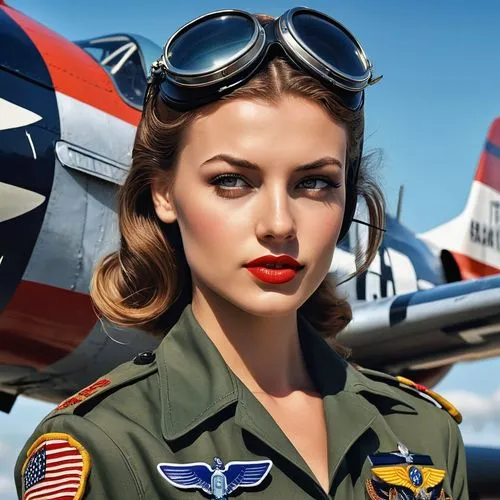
x=56 y=467
x=219 y=481
x=405 y=475
x=84 y=393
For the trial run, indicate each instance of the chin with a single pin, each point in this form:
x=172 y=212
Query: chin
x=270 y=304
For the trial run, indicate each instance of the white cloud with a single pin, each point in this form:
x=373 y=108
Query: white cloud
x=4 y=450
x=488 y=436
x=478 y=410
x=7 y=486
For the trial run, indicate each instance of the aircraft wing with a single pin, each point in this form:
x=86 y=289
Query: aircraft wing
x=428 y=328
x=482 y=471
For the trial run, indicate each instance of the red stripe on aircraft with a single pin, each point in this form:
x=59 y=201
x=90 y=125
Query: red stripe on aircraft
x=488 y=170
x=41 y=324
x=73 y=71
x=471 y=268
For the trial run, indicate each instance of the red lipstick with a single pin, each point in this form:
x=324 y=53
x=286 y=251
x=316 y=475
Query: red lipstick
x=274 y=269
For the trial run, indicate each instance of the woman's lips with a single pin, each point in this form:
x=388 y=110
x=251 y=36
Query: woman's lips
x=274 y=269
x=274 y=276
x=275 y=260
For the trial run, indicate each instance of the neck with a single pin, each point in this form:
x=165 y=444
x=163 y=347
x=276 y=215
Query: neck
x=263 y=352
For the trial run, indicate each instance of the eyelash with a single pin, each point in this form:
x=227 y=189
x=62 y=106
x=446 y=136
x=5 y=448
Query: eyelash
x=226 y=191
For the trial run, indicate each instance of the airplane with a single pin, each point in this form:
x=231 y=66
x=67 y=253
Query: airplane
x=68 y=115
x=431 y=300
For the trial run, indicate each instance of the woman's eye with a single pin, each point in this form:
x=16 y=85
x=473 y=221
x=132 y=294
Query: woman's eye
x=318 y=183
x=229 y=181
x=234 y=185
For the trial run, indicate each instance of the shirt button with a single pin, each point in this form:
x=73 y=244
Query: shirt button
x=144 y=358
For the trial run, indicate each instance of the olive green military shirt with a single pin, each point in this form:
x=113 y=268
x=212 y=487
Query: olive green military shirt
x=182 y=405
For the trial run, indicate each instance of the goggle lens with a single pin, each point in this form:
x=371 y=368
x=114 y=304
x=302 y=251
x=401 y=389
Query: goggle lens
x=330 y=43
x=211 y=44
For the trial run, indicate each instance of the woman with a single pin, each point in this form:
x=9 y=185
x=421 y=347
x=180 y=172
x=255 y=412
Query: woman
x=246 y=170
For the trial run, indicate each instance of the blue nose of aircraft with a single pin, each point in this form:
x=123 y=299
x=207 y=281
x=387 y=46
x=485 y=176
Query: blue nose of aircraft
x=29 y=128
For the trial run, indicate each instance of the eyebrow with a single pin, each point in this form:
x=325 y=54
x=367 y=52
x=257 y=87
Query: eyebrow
x=239 y=162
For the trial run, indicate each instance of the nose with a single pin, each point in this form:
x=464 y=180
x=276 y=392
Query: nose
x=276 y=221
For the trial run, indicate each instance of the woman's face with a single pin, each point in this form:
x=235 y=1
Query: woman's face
x=240 y=193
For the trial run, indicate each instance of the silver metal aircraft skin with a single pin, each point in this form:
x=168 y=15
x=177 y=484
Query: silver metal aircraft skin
x=65 y=147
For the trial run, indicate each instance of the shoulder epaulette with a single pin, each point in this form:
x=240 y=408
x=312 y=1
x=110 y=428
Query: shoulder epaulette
x=410 y=386
x=120 y=376
x=442 y=401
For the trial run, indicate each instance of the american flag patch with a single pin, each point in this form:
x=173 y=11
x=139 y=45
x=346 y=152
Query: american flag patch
x=56 y=468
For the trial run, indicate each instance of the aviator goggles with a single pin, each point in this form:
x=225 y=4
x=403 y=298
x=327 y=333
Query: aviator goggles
x=216 y=52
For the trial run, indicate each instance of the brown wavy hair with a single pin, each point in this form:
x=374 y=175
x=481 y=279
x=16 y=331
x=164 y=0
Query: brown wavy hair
x=146 y=283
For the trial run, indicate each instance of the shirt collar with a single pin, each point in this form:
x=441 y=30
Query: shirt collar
x=196 y=383
x=351 y=400
x=332 y=374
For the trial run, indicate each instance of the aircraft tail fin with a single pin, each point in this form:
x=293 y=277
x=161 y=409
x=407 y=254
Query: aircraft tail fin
x=473 y=238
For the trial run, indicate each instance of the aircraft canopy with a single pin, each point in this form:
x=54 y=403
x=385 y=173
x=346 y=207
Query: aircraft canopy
x=127 y=59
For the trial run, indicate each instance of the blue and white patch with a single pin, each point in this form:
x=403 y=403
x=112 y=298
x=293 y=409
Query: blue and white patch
x=415 y=476
x=219 y=481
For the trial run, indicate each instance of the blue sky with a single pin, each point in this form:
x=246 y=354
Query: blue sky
x=429 y=116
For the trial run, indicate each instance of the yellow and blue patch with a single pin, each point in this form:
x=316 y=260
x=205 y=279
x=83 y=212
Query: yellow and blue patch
x=404 y=475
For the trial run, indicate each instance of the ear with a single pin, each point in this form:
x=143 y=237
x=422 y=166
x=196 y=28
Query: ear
x=162 y=200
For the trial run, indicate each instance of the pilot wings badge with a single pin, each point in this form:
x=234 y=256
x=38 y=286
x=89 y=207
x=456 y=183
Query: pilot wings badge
x=219 y=481
x=405 y=476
